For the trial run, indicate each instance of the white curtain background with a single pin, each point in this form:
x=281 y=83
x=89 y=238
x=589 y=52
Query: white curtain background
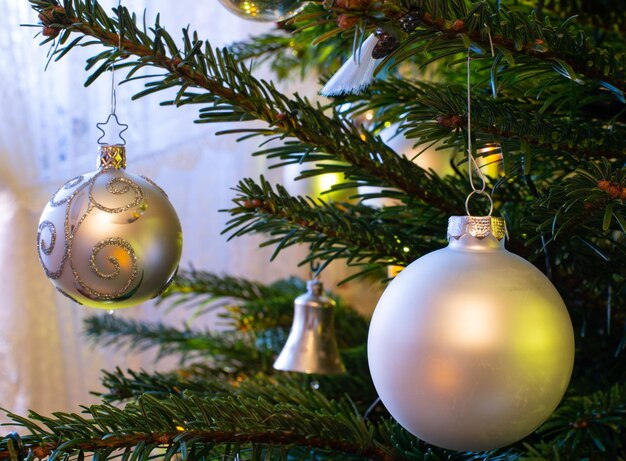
x=48 y=135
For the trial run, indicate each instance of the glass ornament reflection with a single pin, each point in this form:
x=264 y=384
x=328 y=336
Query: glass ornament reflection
x=264 y=10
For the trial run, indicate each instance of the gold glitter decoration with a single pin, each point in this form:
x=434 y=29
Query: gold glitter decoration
x=118 y=242
x=47 y=249
x=70 y=232
x=127 y=184
x=67 y=186
x=112 y=157
x=476 y=226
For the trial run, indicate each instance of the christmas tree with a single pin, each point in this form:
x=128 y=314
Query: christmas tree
x=548 y=82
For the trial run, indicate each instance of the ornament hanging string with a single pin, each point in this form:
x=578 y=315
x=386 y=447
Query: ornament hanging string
x=113 y=109
x=119 y=50
x=472 y=164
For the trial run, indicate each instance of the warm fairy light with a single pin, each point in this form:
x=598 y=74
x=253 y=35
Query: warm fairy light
x=369 y=115
x=250 y=8
x=490 y=159
x=393 y=271
x=326 y=181
x=487 y=149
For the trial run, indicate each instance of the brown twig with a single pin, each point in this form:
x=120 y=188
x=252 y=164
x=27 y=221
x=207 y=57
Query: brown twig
x=44 y=450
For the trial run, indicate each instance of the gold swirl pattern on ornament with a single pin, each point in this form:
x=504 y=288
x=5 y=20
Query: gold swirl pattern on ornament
x=88 y=291
x=47 y=249
x=153 y=184
x=67 y=186
x=67 y=231
x=121 y=243
x=118 y=186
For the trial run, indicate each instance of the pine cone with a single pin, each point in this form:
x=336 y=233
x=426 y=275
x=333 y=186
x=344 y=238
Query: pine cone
x=41 y=452
x=450 y=121
x=53 y=15
x=345 y=21
x=410 y=21
x=386 y=44
x=614 y=190
x=458 y=25
x=50 y=31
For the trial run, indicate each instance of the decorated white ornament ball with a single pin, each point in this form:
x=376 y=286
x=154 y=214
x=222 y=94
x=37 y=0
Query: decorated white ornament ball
x=264 y=10
x=471 y=347
x=110 y=239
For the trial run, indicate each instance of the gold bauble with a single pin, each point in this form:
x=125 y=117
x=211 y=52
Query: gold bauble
x=110 y=239
x=264 y=10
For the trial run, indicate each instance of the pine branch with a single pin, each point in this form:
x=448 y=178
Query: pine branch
x=438 y=112
x=197 y=379
x=289 y=49
x=602 y=14
x=231 y=93
x=264 y=311
x=586 y=426
x=204 y=380
x=196 y=427
x=356 y=233
x=451 y=26
x=229 y=349
x=198 y=283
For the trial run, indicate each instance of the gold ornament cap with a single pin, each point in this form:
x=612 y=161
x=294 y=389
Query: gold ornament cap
x=476 y=226
x=112 y=157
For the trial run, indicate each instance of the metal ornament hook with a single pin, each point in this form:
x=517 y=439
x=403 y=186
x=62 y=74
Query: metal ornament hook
x=314 y=267
x=472 y=164
x=112 y=113
x=102 y=128
x=478 y=192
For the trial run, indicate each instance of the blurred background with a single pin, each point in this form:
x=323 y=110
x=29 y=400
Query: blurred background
x=48 y=135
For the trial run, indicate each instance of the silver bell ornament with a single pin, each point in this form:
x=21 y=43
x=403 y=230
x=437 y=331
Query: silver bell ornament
x=110 y=239
x=264 y=10
x=311 y=346
x=471 y=347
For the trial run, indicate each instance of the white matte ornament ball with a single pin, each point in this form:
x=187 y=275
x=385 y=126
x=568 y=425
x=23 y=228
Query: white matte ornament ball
x=471 y=347
x=264 y=10
x=109 y=239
